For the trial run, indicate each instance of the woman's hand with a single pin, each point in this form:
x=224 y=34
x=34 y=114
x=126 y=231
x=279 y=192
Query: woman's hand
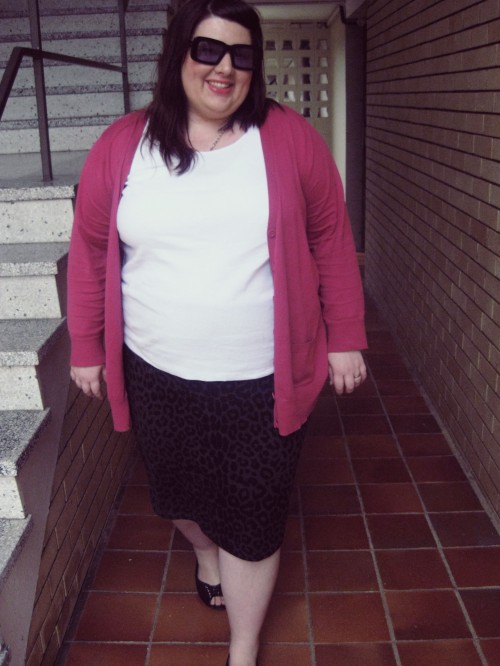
x=347 y=371
x=89 y=380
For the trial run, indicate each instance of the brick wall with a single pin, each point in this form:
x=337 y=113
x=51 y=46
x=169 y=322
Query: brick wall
x=91 y=464
x=433 y=199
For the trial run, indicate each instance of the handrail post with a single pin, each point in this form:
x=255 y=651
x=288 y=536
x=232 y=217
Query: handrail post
x=123 y=52
x=41 y=98
x=38 y=56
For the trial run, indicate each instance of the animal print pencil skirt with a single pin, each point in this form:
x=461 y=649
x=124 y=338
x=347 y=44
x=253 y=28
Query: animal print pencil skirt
x=212 y=455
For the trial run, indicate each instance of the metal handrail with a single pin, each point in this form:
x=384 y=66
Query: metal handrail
x=38 y=55
x=19 y=52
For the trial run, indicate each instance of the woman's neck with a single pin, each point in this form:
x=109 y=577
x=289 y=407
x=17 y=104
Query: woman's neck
x=204 y=136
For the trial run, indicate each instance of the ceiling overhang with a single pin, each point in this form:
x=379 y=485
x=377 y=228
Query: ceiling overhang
x=308 y=10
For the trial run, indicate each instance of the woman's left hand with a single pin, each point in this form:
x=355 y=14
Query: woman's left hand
x=347 y=371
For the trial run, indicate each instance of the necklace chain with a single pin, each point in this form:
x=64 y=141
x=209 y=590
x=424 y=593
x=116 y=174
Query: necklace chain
x=217 y=139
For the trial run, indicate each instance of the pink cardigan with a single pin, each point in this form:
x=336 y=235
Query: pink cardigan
x=318 y=302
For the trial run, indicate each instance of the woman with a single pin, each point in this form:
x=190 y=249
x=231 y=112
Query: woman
x=213 y=283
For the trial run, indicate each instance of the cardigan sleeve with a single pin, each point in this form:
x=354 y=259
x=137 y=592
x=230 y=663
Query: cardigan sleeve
x=87 y=258
x=331 y=244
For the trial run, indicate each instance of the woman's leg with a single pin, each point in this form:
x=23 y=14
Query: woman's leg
x=206 y=551
x=248 y=587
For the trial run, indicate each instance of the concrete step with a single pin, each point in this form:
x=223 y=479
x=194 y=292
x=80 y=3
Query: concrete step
x=61 y=78
x=13 y=534
x=29 y=259
x=24 y=342
x=24 y=173
x=103 y=47
x=36 y=214
x=33 y=279
x=23 y=346
x=13 y=8
x=18 y=29
x=64 y=136
x=81 y=22
x=19 y=432
x=70 y=105
x=4 y=655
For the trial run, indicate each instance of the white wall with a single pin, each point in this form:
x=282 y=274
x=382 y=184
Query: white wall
x=338 y=93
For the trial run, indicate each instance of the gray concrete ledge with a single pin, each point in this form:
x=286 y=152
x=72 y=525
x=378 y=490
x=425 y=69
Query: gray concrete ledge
x=20 y=259
x=10 y=8
x=4 y=656
x=19 y=432
x=74 y=121
x=21 y=178
x=24 y=342
x=13 y=534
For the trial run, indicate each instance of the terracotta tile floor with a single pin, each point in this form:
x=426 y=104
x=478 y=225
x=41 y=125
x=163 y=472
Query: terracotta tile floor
x=389 y=557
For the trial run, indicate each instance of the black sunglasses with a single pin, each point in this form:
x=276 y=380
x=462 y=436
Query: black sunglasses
x=210 y=52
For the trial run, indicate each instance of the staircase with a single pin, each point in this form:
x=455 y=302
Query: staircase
x=35 y=226
x=81 y=101
x=34 y=231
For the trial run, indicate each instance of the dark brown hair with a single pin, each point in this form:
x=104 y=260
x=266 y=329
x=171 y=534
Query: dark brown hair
x=168 y=111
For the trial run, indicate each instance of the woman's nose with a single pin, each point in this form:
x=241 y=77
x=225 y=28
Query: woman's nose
x=226 y=64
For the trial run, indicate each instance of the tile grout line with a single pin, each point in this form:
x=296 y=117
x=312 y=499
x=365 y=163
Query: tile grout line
x=159 y=599
x=86 y=588
x=381 y=590
x=310 y=628
x=439 y=547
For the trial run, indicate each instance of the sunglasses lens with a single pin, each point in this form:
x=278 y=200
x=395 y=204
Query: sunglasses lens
x=206 y=51
x=243 y=57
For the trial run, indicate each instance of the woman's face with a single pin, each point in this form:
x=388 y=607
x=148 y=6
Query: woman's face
x=215 y=92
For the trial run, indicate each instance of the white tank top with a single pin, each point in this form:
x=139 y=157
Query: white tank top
x=196 y=281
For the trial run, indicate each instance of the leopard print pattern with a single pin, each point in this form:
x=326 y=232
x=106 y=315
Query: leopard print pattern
x=212 y=455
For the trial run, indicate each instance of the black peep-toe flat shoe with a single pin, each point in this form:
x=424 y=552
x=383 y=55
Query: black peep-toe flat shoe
x=207 y=592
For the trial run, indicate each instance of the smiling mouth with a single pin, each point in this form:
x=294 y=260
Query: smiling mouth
x=220 y=85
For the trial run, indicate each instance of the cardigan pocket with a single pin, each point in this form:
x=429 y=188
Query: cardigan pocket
x=306 y=347
x=303 y=361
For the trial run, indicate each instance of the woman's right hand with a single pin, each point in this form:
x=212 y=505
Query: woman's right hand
x=89 y=379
